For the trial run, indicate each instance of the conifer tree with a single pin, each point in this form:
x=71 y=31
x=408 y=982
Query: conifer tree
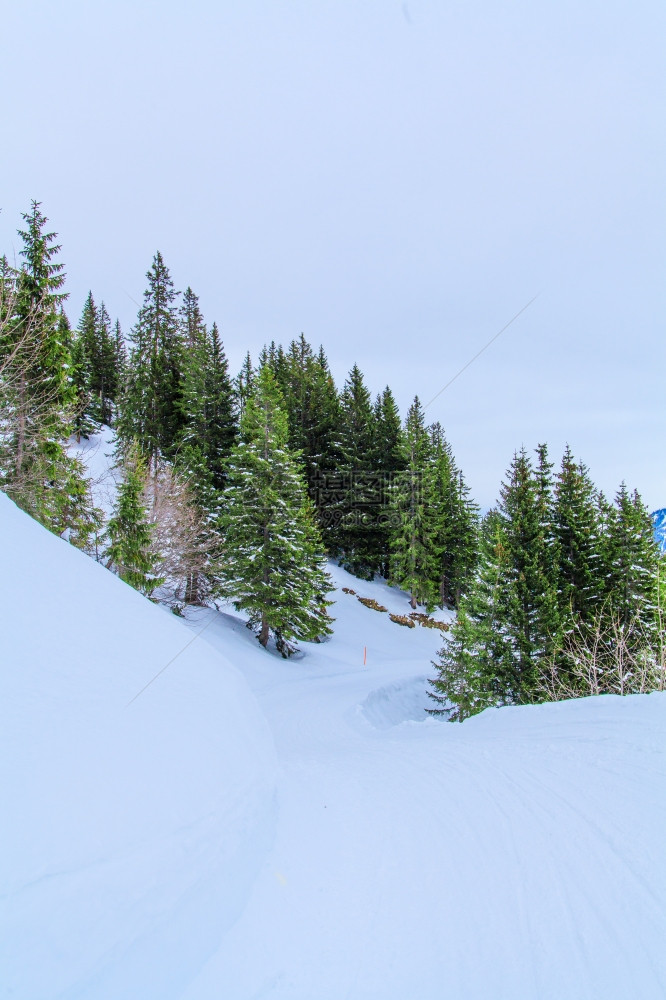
x=475 y=668
x=532 y=619
x=272 y=564
x=106 y=377
x=455 y=523
x=312 y=406
x=86 y=417
x=388 y=451
x=311 y=403
x=244 y=384
x=631 y=557
x=129 y=530
x=119 y=359
x=207 y=404
x=222 y=423
x=38 y=308
x=150 y=411
x=412 y=564
x=191 y=319
x=508 y=619
x=389 y=461
x=579 y=534
x=352 y=506
x=96 y=369
x=37 y=393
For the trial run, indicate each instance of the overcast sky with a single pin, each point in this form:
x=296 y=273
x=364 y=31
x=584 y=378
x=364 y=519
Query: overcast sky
x=396 y=180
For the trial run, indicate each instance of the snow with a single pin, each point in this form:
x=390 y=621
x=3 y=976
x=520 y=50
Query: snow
x=96 y=453
x=156 y=852
x=131 y=833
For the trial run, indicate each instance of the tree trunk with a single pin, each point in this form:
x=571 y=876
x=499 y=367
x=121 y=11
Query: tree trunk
x=20 y=436
x=263 y=635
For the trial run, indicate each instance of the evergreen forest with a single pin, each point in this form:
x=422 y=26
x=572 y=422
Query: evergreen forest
x=238 y=486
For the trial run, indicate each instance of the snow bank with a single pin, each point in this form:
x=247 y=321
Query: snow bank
x=132 y=829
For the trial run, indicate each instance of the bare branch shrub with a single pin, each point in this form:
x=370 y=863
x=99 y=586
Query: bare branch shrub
x=183 y=540
x=32 y=428
x=606 y=656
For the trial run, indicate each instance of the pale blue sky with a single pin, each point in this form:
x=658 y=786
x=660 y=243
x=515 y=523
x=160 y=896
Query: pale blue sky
x=395 y=180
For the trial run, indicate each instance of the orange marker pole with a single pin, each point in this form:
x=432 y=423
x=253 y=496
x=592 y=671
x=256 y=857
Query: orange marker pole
x=365 y=657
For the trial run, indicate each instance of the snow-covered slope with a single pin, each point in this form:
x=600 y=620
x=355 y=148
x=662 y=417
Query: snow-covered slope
x=130 y=830
x=518 y=856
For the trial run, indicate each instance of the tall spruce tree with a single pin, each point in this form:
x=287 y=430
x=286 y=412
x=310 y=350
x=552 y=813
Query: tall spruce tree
x=39 y=305
x=150 y=413
x=532 y=619
x=352 y=497
x=38 y=394
x=579 y=534
x=631 y=557
x=120 y=359
x=413 y=560
x=475 y=667
x=244 y=384
x=106 y=376
x=207 y=404
x=93 y=363
x=129 y=531
x=312 y=406
x=389 y=462
x=272 y=565
x=455 y=523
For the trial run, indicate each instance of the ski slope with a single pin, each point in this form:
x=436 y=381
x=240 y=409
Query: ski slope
x=303 y=831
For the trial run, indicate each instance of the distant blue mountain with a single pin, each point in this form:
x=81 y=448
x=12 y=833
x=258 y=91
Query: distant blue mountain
x=659 y=521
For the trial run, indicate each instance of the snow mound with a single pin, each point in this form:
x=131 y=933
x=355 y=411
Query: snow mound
x=133 y=827
x=402 y=701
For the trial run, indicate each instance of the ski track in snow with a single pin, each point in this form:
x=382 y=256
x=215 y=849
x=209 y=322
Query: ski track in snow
x=515 y=856
x=157 y=853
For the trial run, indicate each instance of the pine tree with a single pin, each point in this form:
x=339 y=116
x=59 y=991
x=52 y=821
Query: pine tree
x=87 y=416
x=222 y=423
x=207 y=404
x=38 y=309
x=613 y=642
x=455 y=523
x=119 y=360
x=388 y=461
x=578 y=531
x=412 y=564
x=37 y=391
x=244 y=384
x=352 y=499
x=151 y=414
x=631 y=558
x=311 y=403
x=475 y=667
x=191 y=319
x=106 y=376
x=95 y=368
x=129 y=531
x=272 y=565
x=532 y=619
